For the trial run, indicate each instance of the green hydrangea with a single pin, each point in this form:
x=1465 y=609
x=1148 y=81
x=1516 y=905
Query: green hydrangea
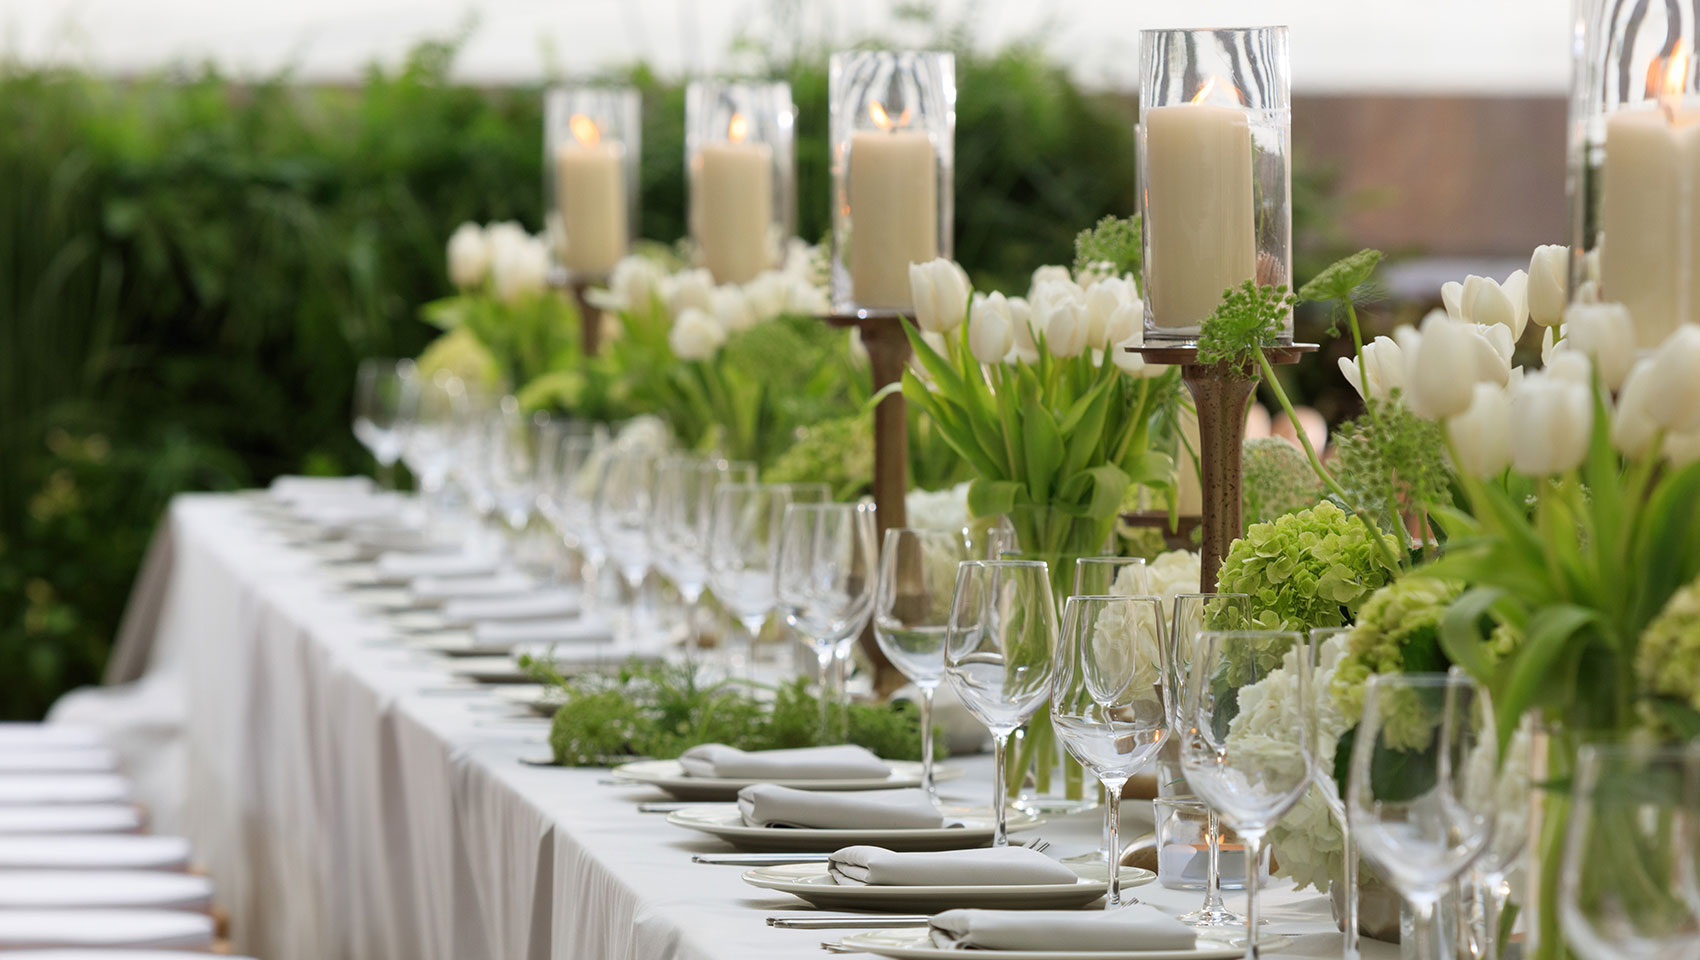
x=838 y=452
x=1398 y=629
x=1277 y=479
x=1668 y=663
x=461 y=354
x=1307 y=569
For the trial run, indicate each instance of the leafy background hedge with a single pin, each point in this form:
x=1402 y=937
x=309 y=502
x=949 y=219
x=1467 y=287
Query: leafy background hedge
x=191 y=268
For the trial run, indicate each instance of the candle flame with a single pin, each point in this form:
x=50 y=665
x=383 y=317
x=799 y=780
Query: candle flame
x=1666 y=77
x=738 y=128
x=1204 y=91
x=584 y=130
x=884 y=120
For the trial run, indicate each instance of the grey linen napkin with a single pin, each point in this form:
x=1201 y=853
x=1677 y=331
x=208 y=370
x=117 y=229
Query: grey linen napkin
x=845 y=762
x=768 y=805
x=1138 y=927
x=876 y=866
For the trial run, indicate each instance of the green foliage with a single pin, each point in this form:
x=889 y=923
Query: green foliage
x=1276 y=479
x=1249 y=318
x=1391 y=460
x=1668 y=663
x=527 y=338
x=1115 y=241
x=662 y=711
x=838 y=452
x=1305 y=570
x=1397 y=631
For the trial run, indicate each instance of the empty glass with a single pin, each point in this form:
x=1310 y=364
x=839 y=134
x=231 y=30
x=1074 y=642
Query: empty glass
x=429 y=405
x=1109 y=577
x=1107 y=702
x=1625 y=886
x=1324 y=657
x=998 y=655
x=681 y=522
x=1251 y=781
x=511 y=463
x=741 y=551
x=917 y=576
x=1192 y=613
x=622 y=508
x=1421 y=790
x=574 y=476
x=823 y=582
x=380 y=386
x=1485 y=887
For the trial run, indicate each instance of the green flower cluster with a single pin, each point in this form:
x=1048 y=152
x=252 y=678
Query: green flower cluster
x=462 y=354
x=1398 y=629
x=1305 y=570
x=1668 y=663
x=838 y=452
x=1277 y=479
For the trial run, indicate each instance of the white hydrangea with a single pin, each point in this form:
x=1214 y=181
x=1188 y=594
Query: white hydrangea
x=943 y=510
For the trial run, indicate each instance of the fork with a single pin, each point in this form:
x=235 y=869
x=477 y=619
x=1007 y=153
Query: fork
x=1038 y=844
x=833 y=946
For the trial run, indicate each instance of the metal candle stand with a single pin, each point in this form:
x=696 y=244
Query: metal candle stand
x=1220 y=391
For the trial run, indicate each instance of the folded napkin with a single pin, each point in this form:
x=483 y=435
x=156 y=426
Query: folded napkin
x=504 y=585
x=402 y=567
x=295 y=488
x=553 y=602
x=878 y=867
x=1137 y=927
x=767 y=805
x=846 y=762
x=573 y=630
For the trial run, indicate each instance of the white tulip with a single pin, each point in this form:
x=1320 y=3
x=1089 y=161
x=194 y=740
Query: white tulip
x=1386 y=364
x=695 y=335
x=1481 y=435
x=1632 y=424
x=1682 y=449
x=1050 y=273
x=1673 y=381
x=519 y=269
x=766 y=294
x=469 y=256
x=805 y=298
x=1094 y=274
x=991 y=332
x=689 y=290
x=1128 y=321
x=940 y=291
x=1604 y=332
x=1550 y=422
x=507 y=233
x=1066 y=328
x=1549 y=343
x=1452 y=296
x=1440 y=361
x=1488 y=302
x=732 y=309
x=1102 y=301
x=1549 y=283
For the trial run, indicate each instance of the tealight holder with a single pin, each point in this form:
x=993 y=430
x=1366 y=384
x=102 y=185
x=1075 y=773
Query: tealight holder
x=740 y=158
x=1634 y=177
x=592 y=139
x=1215 y=171
x=893 y=136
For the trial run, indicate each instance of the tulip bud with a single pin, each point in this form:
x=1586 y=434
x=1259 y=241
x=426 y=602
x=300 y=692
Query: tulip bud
x=1050 y=273
x=1487 y=302
x=732 y=309
x=1102 y=301
x=1682 y=449
x=939 y=289
x=519 y=269
x=469 y=256
x=1632 y=424
x=1386 y=363
x=1673 y=381
x=1452 y=297
x=1066 y=329
x=990 y=330
x=1481 y=435
x=1604 y=332
x=689 y=290
x=1439 y=362
x=1549 y=283
x=695 y=335
x=766 y=294
x=1549 y=423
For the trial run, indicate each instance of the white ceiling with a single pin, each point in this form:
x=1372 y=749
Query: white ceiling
x=1387 y=46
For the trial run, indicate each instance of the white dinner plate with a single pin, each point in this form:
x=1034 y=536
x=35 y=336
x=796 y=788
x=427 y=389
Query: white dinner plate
x=813 y=883
x=914 y=944
x=536 y=697
x=724 y=821
x=669 y=775
x=490 y=670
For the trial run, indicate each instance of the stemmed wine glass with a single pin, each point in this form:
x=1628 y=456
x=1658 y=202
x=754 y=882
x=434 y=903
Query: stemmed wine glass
x=1323 y=659
x=1626 y=883
x=681 y=523
x=917 y=576
x=622 y=508
x=1107 y=698
x=1001 y=639
x=380 y=385
x=741 y=550
x=1485 y=886
x=1421 y=790
x=1250 y=781
x=1191 y=614
x=429 y=406
x=823 y=582
x=510 y=465
x=574 y=478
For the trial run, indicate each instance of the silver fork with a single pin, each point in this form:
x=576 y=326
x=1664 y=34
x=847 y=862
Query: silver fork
x=833 y=946
x=1038 y=845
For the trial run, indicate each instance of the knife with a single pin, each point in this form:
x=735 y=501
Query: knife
x=759 y=859
x=845 y=923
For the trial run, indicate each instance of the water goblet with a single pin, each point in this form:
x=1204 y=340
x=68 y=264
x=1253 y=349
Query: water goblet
x=380 y=388
x=622 y=508
x=823 y=583
x=681 y=522
x=1110 y=577
x=917 y=575
x=742 y=546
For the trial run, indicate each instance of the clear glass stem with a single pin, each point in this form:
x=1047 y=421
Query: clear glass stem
x=841 y=691
x=1423 y=929
x=1254 y=858
x=825 y=659
x=1213 y=876
x=1112 y=834
x=1000 y=743
x=927 y=744
x=740 y=662
x=691 y=598
x=1350 y=871
x=386 y=475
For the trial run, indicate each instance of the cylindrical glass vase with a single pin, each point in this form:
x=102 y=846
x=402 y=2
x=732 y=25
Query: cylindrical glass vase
x=893 y=156
x=1215 y=171
x=740 y=158
x=1635 y=163
x=592 y=139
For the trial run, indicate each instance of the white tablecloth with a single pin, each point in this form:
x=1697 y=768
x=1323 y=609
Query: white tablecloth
x=350 y=804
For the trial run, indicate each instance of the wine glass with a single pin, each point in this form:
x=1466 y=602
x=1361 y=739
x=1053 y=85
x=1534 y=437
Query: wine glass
x=576 y=475
x=681 y=523
x=1327 y=646
x=1107 y=698
x=917 y=576
x=1622 y=890
x=1191 y=614
x=1420 y=794
x=741 y=550
x=380 y=385
x=428 y=446
x=1485 y=887
x=823 y=582
x=622 y=507
x=1250 y=781
x=1001 y=638
x=511 y=463
x=1109 y=577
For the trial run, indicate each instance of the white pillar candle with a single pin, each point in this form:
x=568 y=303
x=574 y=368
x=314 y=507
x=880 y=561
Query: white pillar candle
x=732 y=208
x=590 y=183
x=893 y=187
x=1650 y=218
x=1199 y=182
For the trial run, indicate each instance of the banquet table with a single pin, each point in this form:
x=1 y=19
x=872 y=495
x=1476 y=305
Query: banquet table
x=351 y=801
